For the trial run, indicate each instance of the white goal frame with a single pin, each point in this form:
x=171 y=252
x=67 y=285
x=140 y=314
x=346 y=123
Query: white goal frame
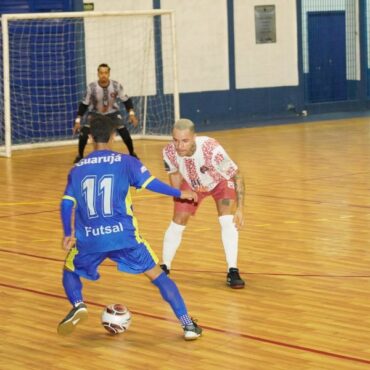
x=8 y=147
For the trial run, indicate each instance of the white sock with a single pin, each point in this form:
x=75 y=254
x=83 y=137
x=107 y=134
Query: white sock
x=230 y=238
x=171 y=242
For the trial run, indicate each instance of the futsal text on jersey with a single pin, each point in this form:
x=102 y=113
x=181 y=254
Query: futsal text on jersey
x=103 y=230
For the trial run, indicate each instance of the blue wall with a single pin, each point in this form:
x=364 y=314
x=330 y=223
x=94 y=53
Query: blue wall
x=39 y=6
x=35 y=86
x=248 y=105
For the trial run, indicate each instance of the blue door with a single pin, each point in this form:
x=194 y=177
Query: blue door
x=327 y=80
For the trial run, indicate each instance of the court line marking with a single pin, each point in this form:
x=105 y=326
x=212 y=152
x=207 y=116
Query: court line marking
x=70 y=149
x=32 y=241
x=135 y=198
x=337 y=204
x=31 y=203
x=2 y=204
x=30 y=213
x=202 y=271
x=158 y=196
x=211 y=328
x=294 y=181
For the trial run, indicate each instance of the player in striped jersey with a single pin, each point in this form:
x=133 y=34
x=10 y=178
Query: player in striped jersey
x=105 y=226
x=102 y=97
x=199 y=163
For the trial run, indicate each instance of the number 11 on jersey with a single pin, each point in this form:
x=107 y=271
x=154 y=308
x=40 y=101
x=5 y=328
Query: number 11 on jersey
x=96 y=192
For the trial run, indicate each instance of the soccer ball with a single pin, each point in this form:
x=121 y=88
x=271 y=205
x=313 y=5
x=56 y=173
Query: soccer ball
x=116 y=318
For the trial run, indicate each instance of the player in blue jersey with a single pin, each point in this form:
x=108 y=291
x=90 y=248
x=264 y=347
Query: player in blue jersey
x=105 y=227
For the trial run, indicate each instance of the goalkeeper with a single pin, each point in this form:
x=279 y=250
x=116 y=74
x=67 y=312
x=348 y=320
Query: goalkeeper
x=101 y=97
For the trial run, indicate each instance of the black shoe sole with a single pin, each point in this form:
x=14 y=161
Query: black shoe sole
x=68 y=326
x=237 y=286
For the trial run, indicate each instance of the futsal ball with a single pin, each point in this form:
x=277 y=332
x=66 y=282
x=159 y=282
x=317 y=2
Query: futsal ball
x=116 y=318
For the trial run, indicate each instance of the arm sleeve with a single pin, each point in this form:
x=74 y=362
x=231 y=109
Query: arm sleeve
x=160 y=187
x=141 y=178
x=128 y=104
x=82 y=108
x=66 y=208
x=125 y=99
x=87 y=98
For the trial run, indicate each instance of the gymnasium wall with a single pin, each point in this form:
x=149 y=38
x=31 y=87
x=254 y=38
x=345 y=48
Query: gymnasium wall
x=224 y=76
x=110 y=46
x=227 y=79
x=271 y=64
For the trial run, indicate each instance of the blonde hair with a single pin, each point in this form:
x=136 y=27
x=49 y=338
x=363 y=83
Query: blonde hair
x=184 y=124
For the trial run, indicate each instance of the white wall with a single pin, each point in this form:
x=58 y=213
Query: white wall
x=202 y=44
x=109 y=42
x=113 y=5
x=202 y=41
x=265 y=65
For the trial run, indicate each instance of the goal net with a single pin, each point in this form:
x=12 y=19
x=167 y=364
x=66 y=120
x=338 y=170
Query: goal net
x=47 y=60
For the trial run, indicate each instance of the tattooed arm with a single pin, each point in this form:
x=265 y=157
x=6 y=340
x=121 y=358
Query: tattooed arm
x=240 y=191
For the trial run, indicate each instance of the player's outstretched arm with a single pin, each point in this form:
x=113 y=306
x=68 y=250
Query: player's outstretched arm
x=160 y=187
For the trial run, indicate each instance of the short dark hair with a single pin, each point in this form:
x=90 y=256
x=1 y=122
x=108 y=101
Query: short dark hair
x=101 y=128
x=103 y=65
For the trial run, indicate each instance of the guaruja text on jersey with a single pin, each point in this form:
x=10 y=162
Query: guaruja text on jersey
x=110 y=159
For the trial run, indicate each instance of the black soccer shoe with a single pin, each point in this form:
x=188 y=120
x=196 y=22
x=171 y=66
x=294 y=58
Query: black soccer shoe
x=192 y=331
x=76 y=315
x=233 y=279
x=165 y=269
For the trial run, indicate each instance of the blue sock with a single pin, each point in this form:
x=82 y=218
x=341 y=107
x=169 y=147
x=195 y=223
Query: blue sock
x=72 y=286
x=170 y=293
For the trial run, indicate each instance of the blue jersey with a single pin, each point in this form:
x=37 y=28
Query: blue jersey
x=100 y=187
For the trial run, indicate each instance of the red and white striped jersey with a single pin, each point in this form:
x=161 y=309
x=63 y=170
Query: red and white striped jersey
x=204 y=170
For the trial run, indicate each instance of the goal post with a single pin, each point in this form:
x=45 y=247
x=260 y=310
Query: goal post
x=47 y=60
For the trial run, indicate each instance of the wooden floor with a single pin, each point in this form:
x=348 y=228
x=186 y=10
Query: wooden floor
x=305 y=253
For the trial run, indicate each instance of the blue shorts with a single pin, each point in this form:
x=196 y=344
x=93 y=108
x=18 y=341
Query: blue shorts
x=132 y=260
